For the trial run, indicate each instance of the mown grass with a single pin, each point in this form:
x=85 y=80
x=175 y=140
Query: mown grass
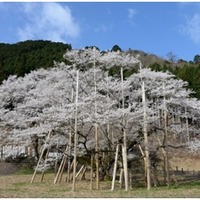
x=24 y=171
x=19 y=186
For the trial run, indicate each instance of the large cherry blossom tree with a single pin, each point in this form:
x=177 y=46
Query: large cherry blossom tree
x=104 y=112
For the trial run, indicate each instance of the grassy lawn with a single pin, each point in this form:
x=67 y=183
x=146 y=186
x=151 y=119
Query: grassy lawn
x=18 y=185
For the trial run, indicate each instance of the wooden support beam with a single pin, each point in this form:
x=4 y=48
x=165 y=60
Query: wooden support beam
x=115 y=168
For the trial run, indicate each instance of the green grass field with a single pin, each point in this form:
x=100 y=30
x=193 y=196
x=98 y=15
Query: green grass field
x=19 y=186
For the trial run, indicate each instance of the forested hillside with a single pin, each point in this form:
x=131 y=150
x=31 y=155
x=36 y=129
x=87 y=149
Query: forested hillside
x=189 y=72
x=23 y=57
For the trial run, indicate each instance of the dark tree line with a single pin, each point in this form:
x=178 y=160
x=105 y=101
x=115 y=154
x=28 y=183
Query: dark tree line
x=189 y=72
x=23 y=57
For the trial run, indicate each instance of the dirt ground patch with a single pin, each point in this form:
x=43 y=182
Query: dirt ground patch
x=187 y=164
x=183 y=159
x=8 y=168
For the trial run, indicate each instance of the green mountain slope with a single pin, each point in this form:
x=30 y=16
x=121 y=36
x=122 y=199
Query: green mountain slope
x=23 y=57
x=20 y=58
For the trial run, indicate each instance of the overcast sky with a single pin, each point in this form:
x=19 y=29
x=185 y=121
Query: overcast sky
x=154 y=27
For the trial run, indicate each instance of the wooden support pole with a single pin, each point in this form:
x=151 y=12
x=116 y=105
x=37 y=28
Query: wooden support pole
x=46 y=156
x=166 y=164
x=71 y=168
x=125 y=167
x=75 y=133
x=96 y=125
x=130 y=179
x=69 y=156
x=97 y=156
x=91 y=172
x=124 y=147
x=115 y=168
x=80 y=170
x=40 y=158
x=166 y=139
x=83 y=174
x=35 y=171
x=61 y=167
x=59 y=170
x=145 y=167
x=56 y=163
x=70 y=141
x=147 y=157
x=121 y=177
